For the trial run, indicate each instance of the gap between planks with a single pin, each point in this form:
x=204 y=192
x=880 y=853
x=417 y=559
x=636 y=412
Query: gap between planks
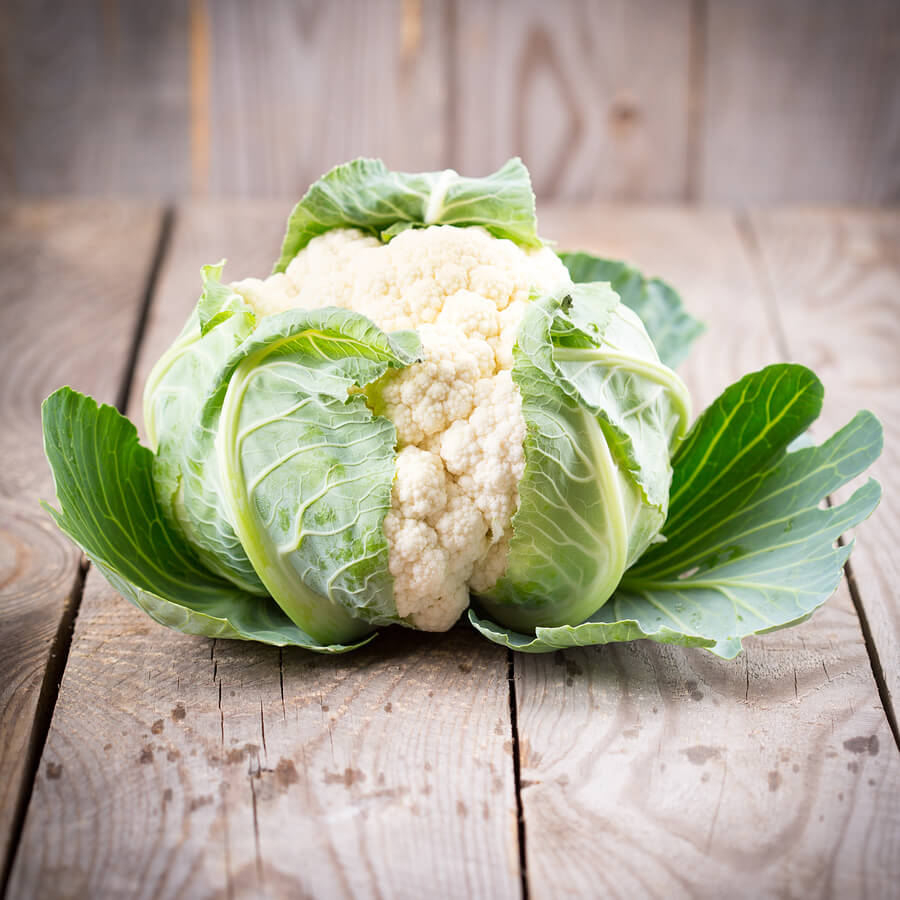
x=43 y=714
x=751 y=243
x=517 y=773
x=62 y=641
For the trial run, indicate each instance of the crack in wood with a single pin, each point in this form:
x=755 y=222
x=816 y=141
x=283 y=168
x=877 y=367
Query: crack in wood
x=517 y=772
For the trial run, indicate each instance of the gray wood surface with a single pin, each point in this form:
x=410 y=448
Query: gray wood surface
x=249 y=772
x=295 y=89
x=720 y=101
x=95 y=97
x=801 y=102
x=566 y=87
x=72 y=284
x=834 y=277
x=178 y=766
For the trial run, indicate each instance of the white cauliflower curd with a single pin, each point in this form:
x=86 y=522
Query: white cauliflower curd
x=458 y=413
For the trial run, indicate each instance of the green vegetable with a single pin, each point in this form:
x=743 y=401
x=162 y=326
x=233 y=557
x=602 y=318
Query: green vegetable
x=602 y=416
x=260 y=510
x=108 y=507
x=364 y=194
x=747 y=547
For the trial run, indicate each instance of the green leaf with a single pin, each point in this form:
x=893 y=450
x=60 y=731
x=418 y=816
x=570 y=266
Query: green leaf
x=589 y=634
x=174 y=395
x=748 y=547
x=602 y=414
x=671 y=329
x=364 y=194
x=108 y=507
x=219 y=301
x=303 y=468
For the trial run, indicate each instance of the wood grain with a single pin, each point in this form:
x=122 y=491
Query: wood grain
x=73 y=280
x=176 y=766
x=297 y=88
x=801 y=102
x=96 y=97
x=721 y=101
x=593 y=96
x=655 y=771
x=180 y=767
x=835 y=277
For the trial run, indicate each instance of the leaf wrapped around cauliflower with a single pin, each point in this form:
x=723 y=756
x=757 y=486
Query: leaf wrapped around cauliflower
x=603 y=415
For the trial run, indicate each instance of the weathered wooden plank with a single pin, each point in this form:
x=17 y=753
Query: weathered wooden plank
x=96 y=100
x=296 y=89
x=654 y=771
x=179 y=767
x=836 y=278
x=593 y=96
x=67 y=313
x=801 y=102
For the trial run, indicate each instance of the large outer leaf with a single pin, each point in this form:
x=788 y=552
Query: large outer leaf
x=108 y=507
x=176 y=390
x=671 y=328
x=602 y=413
x=305 y=468
x=748 y=548
x=364 y=194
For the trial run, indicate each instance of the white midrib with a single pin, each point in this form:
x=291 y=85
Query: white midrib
x=435 y=205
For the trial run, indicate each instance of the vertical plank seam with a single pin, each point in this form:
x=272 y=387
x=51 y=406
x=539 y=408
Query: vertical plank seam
x=764 y=280
x=451 y=82
x=199 y=61
x=43 y=714
x=62 y=640
x=750 y=240
x=156 y=261
x=517 y=772
x=696 y=105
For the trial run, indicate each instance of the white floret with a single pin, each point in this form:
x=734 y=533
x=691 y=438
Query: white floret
x=458 y=412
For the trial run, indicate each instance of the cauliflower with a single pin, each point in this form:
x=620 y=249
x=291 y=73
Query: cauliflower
x=458 y=414
x=345 y=444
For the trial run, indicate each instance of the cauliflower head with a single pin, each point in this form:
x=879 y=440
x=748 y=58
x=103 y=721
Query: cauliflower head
x=421 y=402
x=457 y=412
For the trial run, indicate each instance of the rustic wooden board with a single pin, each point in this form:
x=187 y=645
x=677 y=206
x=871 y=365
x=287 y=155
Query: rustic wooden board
x=836 y=279
x=655 y=771
x=295 y=89
x=588 y=94
x=73 y=281
x=178 y=766
x=722 y=101
x=96 y=100
x=800 y=102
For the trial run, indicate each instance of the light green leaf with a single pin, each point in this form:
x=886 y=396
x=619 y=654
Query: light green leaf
x=364 y=194
x=303 y=467
x=176 y=390
x=748 y=547
x=671 y=329
x=601 y=413
x=108 y=507
x=588 y=634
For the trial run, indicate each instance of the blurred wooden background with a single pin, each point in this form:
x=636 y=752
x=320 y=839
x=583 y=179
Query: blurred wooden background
x=713 y=101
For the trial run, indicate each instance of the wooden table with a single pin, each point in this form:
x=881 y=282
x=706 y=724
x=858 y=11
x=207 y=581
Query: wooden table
x=135 y=761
